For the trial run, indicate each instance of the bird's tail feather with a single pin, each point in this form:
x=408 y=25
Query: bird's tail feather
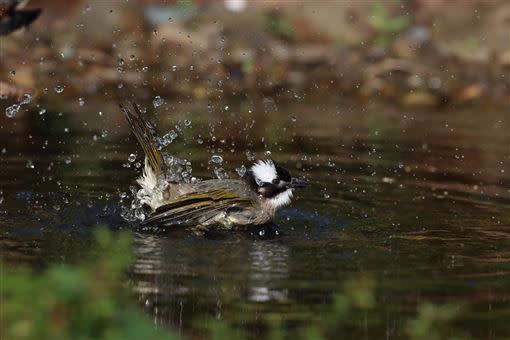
x=144 y=133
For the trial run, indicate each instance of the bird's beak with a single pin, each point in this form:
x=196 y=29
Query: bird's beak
x=298 y=183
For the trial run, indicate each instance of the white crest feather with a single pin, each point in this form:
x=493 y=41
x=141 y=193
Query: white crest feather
x=265 y=171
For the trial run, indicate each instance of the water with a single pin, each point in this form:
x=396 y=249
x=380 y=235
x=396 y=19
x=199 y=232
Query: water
x=418 y=201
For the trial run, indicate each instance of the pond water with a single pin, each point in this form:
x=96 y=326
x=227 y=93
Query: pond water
x=417 y=202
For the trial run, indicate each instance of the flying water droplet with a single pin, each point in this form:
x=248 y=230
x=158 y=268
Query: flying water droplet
x=11 y=111
x=81 y=101
x=132 y=158
x=26 y=99
x=216 y=159
x=250 y=155
x=59 y=88
x=220 y=173
x=166 y=139
x=157 y=102
x=241 y=170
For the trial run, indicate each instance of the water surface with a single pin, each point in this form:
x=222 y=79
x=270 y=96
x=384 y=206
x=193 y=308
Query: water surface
x=416 y=201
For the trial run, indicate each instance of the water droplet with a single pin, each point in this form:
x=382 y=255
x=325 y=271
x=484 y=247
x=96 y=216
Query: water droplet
x=220 y=173
x=81 y=101
x=67 y=160
x=132 y=57
x=166 y=139
x=226 y=108
x=42 y=111
x=26 y=99
x=11 y=111
x=59 y=88
x=158 y=101
x=241 y=170
x=104 y=133
x=30 y=164
x=132 y=158
x=145 y=69
x=139 y=214
x=250 y=155
x=216 y=159
x=327 y=196
x=174 y=68
x=187 y=122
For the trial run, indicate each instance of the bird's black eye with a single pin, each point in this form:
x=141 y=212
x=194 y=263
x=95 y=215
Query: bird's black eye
x=276 y=180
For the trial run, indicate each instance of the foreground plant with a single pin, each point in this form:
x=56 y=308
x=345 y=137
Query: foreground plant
x=76 y=302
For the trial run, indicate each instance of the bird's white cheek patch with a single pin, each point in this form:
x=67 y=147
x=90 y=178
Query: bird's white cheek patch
x=282 y=199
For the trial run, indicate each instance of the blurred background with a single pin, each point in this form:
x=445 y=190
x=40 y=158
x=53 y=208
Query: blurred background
x=396 y=111
x=412 y=52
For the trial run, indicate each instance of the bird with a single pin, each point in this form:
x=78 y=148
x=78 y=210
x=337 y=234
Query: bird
x=252 y=200
x=13 y=18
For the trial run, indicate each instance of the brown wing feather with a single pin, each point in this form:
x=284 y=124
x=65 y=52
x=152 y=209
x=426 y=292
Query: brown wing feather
x=196 y=208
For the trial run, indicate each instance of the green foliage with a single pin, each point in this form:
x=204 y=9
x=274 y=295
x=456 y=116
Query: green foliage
x=79 y=302
x=386 y=26
x=280 y=26
x=471 y=45
x=433 y=322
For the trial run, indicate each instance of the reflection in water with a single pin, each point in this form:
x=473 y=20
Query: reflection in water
x=167 y=280
x=268 y=264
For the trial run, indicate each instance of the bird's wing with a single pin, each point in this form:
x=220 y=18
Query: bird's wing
x=196 y=208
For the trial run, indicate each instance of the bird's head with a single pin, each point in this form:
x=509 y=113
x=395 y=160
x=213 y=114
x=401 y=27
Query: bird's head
x=272 y=182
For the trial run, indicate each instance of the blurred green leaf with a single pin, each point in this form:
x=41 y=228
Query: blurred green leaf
x=80 y=302
x=386 y=26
